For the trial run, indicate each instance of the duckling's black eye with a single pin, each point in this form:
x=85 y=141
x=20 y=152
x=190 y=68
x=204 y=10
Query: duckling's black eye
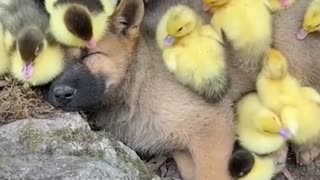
x=180 y=29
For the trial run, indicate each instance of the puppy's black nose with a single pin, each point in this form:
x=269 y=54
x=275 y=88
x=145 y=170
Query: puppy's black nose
x=64 y=93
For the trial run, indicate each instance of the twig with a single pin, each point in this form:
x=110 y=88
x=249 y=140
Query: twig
x=287 y=174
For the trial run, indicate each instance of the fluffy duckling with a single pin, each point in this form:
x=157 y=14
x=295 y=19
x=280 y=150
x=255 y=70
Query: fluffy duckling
x=311 y=20
x=80 y=23
x=258 y=128
x=193 y=52
x=245 y=165
x=298 y=106
x=35 y=58
x=249 y=37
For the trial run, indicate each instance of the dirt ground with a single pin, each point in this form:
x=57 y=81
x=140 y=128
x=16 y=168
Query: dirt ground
x=167 y=170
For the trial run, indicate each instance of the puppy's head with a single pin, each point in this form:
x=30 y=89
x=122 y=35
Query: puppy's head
x=91 y=80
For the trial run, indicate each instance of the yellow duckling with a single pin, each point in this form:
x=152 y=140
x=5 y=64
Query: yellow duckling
x=245 y=165
x=250 y=37
x=298 y=106
x=37 y=58
x=311 y=20
x=80 y=23
x=193 y=52
x=259 y=129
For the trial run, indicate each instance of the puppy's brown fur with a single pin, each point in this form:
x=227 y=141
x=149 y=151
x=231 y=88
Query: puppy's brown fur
x=151 y=112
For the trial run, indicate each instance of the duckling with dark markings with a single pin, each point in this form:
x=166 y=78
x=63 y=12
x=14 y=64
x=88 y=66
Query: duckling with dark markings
x=80 y=23
x=36 y=59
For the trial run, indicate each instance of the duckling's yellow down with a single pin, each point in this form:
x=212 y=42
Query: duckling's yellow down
x=6 y=41
x=47 y=66
x=257 y=126
x=248 y=26
x=298 y=106
x=263 y=169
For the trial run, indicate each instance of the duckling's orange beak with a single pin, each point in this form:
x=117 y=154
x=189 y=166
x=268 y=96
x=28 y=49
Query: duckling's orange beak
x=92 y=44
x=27 y=70
x=302 y=34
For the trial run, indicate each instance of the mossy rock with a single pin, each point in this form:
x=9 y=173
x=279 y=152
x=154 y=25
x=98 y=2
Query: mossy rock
x=65 y=148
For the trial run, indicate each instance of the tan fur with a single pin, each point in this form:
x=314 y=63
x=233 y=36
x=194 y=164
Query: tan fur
x=152 y=113
x=185 y=164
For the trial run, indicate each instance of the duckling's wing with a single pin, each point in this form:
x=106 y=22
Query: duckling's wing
x=209 y=31
x=311 y=94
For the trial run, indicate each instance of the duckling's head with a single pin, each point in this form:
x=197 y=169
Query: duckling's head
x=275 y=65
x=270 y=123
x=208 y=4
x=78 y=21
x=241 y=163
x=311 y=22
x=30 y=43
x=182 y=20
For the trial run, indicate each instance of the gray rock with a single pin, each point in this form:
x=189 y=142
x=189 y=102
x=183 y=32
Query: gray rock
x=65 y=148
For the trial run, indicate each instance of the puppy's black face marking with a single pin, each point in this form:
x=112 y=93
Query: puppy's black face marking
x=77 y=89
x=78 y=22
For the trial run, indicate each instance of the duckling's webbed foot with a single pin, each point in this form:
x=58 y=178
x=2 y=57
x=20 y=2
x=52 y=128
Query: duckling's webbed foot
x=306 y=155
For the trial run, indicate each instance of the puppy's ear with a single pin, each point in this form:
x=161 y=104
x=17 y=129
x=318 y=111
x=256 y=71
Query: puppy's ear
x=128 y=17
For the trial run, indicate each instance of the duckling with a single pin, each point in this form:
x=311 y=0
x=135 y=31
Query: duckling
x=245 y=165
x=80 y=23
x=259 y=129
x=249 y=37
x=35 y=58
x=193 y=52
x=311 y=20
x=298 y=106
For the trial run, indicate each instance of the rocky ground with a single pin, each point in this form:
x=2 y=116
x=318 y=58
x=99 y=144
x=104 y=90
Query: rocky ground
x=65 y=148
